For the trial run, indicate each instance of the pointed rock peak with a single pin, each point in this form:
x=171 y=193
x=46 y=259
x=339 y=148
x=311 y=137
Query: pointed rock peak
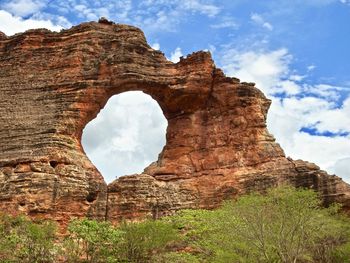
x=2 y=35
x=104 y=20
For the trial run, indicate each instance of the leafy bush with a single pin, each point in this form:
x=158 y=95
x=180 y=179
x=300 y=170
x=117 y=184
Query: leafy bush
x=285 y=225
x=91 y=241
x=143 y=240
x=176 y=257
x=341 y=253
x=25 y=241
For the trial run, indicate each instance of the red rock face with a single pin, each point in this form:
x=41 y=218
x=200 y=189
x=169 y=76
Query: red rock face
x=218 y=147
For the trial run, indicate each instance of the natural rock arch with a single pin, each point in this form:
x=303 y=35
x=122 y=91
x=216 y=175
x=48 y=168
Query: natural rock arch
x=53 y=84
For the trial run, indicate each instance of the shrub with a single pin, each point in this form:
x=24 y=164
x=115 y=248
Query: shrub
x=285 y=225
x=143 y=240
x=91 y=241
x=176 y=257
x=25 y=241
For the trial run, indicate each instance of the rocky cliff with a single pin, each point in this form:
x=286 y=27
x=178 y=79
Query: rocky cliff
x=217 y=143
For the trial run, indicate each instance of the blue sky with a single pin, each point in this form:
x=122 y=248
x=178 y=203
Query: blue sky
x=296 y=51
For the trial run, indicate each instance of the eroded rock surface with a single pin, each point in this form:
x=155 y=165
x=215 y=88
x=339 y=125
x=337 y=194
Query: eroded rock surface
x=218 y=147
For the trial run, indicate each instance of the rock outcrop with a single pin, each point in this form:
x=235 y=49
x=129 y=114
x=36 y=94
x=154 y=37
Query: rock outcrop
x=217 y=143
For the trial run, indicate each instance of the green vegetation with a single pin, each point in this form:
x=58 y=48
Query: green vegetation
x=22 y=240
x=284 y=225
x=92 y=241
x=141 y=241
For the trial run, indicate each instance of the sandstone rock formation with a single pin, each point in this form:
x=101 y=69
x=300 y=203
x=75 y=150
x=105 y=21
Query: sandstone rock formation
x=217 y=144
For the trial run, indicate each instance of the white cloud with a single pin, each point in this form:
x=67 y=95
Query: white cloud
x=296 y=77
x=166 y=15
x=201 y=7
x=212 y=49
x=306 y=105
x=161 y=20
x=286 y=117
x=318 y=2
x=155 y=46
x=54 y=18
x=23 y=7
x=10 y=24
x=126 y=136
x=290 y=87
x=347 y=2
x=195 y=6
x=325 y=91
x=266 y=69
x=151 y=16
x=226 y=22
x=261 y=21
x=336 y=120
x=91 y=13
x=119 y=11
x=175 y=55
x=341 y=168
x=311 y=67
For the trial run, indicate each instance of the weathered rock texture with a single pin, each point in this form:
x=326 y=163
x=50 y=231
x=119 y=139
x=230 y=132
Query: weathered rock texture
x=218 y=147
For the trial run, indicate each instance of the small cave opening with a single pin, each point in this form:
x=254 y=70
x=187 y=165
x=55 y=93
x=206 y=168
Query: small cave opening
x=91 y=197
x=126 y=136
x=53 y=164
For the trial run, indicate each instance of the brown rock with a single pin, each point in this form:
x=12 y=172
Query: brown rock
x=218 y=147
x=104 y=20
x=2 y=35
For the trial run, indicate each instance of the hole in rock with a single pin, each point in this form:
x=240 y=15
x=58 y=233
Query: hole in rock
x=91 y=197
x=126 y=136
x=53 y=164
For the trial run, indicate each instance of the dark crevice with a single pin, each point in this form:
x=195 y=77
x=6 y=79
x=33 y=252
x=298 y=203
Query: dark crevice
x=91 y=197
x=53 y=164
x=107 y=205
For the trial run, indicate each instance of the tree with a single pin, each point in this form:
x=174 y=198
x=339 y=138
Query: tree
x=143 y=240
x=176 y=257
x=285 y=225
x=91 y=241
x=22 y=240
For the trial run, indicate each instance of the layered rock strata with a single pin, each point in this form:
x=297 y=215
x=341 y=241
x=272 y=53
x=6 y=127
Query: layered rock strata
x=217 y=144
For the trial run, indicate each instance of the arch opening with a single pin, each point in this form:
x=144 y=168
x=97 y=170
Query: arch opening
x=126 y=136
